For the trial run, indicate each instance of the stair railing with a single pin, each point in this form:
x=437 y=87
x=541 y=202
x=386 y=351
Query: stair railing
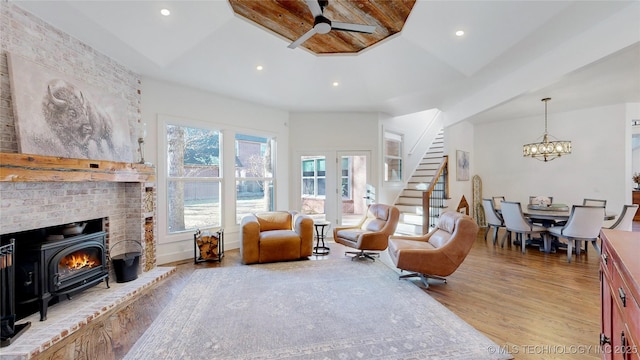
x=435 y=195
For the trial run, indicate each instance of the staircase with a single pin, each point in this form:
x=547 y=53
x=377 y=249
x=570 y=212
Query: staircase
x=410 y=200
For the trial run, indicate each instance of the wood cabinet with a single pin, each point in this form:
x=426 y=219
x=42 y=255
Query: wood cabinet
x=636 y=200
x=620 y=295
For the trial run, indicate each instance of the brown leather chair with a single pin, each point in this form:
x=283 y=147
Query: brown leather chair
x=438 y=253
x=275 y=236
x=371 y=233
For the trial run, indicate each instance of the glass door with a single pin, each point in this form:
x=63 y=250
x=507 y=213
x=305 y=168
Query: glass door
x=353 y=190
x=314 y=186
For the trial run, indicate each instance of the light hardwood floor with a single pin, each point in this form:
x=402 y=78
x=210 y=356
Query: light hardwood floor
x=535 y=305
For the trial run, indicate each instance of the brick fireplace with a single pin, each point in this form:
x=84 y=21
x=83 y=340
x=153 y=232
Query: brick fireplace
x=40 y=192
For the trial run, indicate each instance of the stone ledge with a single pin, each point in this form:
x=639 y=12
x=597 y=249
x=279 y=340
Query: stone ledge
x=69 y=316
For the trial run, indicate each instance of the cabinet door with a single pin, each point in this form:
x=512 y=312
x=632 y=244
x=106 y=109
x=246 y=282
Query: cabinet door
x=618 y=330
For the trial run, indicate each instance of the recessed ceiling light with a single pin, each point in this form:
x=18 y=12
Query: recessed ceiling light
x=259 y=67
x=165 y=12
x=459 y=33
x=335 y=83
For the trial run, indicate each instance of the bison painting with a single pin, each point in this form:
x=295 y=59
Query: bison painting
x=60 y=116
x=77 y=123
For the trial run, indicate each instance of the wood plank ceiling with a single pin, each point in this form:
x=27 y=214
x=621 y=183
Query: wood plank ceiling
x=292 y=18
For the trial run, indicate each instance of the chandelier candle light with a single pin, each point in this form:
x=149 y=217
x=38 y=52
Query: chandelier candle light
x=550 y=147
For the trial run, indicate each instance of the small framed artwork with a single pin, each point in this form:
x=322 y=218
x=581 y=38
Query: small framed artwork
x=462 y=165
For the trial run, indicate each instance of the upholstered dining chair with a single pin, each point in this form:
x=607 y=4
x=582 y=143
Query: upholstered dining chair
x=594 y=202
x=625 y=220
x=492 y=218
x=370 y=235
x=516 y=222
x=497 y=201
x=584 y=224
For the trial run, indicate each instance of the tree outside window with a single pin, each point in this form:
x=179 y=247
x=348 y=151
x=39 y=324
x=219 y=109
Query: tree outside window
x=193 y=179
x=254 y=175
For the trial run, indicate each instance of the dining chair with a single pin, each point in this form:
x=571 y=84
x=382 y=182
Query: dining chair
x=497 y=201
x=515 y=221
x=625 y=220
x=594 y=202
x=493 y=219
x=584 y=224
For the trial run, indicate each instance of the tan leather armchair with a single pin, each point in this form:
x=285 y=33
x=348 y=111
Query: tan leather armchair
x=438 y=253
x=371 y=233
x=275 y=236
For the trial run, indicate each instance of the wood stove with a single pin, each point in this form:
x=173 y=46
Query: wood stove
x=50 y=267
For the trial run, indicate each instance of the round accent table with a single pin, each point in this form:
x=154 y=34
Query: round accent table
x=320 y=226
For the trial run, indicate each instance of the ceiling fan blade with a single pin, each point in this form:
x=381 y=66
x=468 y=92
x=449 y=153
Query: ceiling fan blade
x=315 y=8
x=367 y=29
x=302 y=38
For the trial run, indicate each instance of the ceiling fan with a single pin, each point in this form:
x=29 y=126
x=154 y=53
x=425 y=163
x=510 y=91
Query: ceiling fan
x=322 y=25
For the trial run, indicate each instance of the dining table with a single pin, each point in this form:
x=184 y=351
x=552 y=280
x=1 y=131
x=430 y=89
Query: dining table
x=553 y=214
x=557 y=213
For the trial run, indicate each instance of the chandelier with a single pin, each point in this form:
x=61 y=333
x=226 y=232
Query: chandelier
x=547 y=147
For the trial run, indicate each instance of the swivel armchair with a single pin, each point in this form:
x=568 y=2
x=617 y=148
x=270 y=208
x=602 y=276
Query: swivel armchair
x=370 y=235
x=437 y=254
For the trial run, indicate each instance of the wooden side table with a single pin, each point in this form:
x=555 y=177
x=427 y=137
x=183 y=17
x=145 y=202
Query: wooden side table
x=320 y=234
x=208 y=247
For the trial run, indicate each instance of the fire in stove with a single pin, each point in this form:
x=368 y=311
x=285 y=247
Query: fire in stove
x=78 y=261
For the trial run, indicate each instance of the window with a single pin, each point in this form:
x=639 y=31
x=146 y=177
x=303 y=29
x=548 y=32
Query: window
x=313 y=177
x=254 y=175
x=345 y=177
x=193 y=178
x=392 y=157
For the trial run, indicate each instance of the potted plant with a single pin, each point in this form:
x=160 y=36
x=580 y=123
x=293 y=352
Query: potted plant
x=636 y=179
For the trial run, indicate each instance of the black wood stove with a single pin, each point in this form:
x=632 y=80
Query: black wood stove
x=47 y=269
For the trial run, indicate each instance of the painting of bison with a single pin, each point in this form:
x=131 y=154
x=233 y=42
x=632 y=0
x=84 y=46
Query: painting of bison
x=57 y=115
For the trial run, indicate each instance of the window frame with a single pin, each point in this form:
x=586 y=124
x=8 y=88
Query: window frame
x=399 y=139
x=315 y=177
x=163 y=134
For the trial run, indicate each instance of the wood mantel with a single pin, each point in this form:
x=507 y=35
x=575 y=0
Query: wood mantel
x=16 y=167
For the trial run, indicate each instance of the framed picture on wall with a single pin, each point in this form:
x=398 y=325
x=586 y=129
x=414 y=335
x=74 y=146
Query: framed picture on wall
x=462 y=165
x=59 y=115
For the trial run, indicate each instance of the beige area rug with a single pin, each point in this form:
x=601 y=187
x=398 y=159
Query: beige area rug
x=324 y=309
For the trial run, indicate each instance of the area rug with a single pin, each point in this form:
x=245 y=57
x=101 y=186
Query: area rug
x=314 y=309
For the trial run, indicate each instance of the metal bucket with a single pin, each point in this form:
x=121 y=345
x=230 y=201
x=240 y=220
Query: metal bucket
x=126 y=264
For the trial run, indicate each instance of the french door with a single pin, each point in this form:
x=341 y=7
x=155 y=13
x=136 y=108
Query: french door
x=353 y=190
x=333 y=186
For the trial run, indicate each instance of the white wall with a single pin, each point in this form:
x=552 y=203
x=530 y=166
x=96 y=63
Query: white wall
x=229 y=115
x=595 y=169
x=460 y=137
